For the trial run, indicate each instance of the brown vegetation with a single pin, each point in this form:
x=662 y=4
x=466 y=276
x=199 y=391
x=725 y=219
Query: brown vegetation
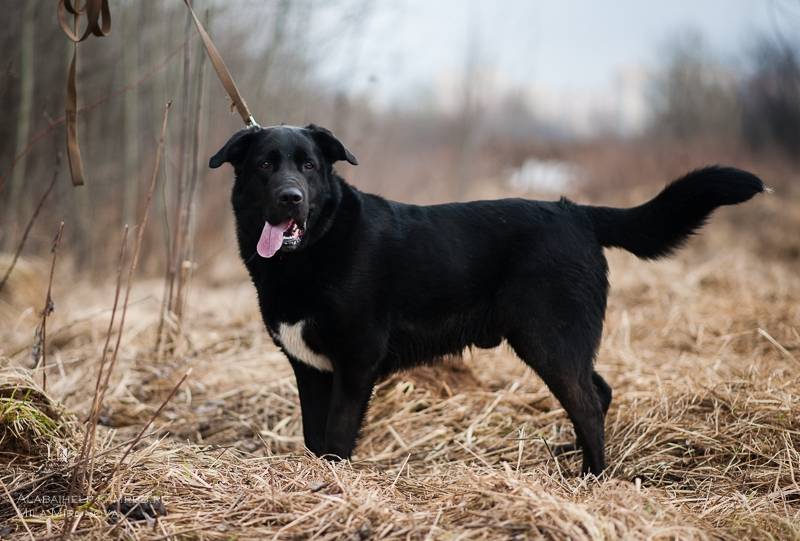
x=703 y=434
x=703 y=350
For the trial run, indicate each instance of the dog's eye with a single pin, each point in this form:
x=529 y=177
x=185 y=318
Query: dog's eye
x=308 y=165
x=266 y=165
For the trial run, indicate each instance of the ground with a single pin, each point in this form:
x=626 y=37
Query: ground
x=703 y=436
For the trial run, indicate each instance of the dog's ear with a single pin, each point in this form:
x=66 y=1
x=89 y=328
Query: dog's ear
x=235 y=149
x=331 y=147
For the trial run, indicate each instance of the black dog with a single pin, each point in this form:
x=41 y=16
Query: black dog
x=353 y=287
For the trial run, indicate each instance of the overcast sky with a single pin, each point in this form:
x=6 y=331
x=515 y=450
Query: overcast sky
x=559 y=45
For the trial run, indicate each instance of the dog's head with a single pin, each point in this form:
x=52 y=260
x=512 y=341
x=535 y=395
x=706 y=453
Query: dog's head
x=284 y=174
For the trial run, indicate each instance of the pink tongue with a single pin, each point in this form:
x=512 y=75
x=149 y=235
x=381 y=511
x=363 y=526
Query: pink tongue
x=271 y=238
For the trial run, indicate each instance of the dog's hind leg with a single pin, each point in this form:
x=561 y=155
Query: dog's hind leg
x=604 y=393
x=566 y=369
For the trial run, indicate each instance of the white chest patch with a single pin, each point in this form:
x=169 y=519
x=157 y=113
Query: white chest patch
x=291 y=337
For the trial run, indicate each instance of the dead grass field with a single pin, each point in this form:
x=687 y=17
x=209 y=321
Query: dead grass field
x=703 y=436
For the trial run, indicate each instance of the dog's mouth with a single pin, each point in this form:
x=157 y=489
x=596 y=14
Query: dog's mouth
x=286 y=235
x=294 y=234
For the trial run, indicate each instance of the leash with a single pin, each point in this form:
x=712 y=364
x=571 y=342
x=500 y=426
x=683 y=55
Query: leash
x=98 y=23
x=222 y=71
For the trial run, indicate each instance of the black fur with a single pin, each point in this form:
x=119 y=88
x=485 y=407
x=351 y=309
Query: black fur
x=383 y=286
x=663 y=224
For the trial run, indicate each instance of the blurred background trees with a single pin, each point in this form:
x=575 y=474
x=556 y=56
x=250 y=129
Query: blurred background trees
x=770 y=98
x=303 y=61
x=694 y=96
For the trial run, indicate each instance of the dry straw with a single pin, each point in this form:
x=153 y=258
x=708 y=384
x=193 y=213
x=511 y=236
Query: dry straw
x=703 y=352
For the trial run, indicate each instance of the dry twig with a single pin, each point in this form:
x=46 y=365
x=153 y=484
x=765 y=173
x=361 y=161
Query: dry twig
x=31 y=221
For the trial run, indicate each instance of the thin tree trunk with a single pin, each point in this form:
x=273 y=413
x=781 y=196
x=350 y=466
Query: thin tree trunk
x=190 y=230
x=180 y=210
x=279 y=24
x=176 y=237
x=130 y=62
x=23 y=116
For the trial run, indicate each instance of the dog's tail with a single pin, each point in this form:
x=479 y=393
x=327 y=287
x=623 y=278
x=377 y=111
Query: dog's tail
x=663 y=224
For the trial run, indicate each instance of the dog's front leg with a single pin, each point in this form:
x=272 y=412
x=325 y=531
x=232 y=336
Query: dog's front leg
x=349 y=399
x=314 y=387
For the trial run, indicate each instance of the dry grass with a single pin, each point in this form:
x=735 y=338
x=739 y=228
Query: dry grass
x=703 y=353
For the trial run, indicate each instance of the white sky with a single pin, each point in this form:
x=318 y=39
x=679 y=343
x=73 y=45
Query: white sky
x=561 y=46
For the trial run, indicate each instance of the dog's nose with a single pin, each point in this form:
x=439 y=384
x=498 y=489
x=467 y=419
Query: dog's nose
x=290 y=197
